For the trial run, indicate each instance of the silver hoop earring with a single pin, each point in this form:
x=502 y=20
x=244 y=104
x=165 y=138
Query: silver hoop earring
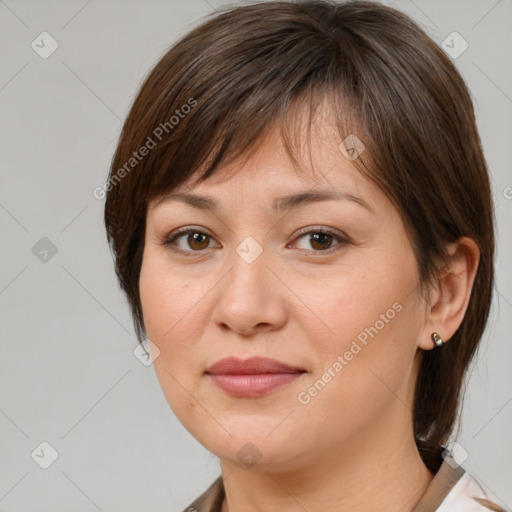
x=438 y=341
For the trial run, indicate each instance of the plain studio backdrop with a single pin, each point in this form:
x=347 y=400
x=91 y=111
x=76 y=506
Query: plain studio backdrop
x=69 y=377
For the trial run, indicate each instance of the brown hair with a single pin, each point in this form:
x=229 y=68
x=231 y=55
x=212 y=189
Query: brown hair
x=211 y=97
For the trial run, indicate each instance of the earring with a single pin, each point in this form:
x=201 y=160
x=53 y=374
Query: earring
x=439 y=342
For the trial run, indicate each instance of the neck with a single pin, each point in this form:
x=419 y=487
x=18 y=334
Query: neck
x=359 y=475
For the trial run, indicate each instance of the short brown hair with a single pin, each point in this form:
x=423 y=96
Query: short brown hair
x=248 y=67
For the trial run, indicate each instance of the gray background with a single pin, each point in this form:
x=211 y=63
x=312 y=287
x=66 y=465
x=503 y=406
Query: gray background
x=68 y=374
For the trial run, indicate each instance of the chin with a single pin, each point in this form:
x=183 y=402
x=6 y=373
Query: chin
x=257 y=451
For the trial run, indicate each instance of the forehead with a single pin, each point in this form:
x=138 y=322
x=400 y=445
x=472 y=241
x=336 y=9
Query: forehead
x=321 y=169
x=276 y=194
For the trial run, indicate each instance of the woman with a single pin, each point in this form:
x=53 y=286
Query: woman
x=301 y=219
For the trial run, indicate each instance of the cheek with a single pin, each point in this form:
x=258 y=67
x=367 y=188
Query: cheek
x=166 y=298
x=168 y=304
x=363 y=374
x=361 y=303
x=370 y=320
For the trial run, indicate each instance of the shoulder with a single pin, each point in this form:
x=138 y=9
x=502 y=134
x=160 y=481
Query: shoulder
x=467 y=495
x=454 y=490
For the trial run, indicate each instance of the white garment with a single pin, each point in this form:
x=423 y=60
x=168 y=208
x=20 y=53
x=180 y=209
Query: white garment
x=461 y=497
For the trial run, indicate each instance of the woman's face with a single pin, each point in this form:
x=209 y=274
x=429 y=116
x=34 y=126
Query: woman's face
x=330 y=286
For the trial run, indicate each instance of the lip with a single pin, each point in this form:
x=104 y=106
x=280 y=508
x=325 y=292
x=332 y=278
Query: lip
x=252 y=377
x=251 y=366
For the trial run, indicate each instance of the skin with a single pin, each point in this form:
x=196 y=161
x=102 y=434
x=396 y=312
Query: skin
x=304 y=304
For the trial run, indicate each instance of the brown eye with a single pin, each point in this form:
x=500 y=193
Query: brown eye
x=320 y=240
x=188 y=241
x=198 y=241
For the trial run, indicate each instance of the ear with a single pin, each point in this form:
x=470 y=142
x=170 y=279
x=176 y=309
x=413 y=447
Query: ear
x=450 y=296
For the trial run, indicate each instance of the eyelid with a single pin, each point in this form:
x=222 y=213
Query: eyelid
x=342 y=238
x=321 y=229
x=169 y=239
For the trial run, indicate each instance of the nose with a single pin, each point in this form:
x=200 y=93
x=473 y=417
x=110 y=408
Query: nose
x=250 y=298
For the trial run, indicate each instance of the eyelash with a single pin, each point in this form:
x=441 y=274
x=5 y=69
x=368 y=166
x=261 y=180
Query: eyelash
x=342 y=239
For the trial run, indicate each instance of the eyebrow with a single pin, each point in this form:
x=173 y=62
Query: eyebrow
x=280 y=204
